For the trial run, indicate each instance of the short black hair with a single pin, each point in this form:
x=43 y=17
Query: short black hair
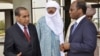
x=18 y=9
x=81 y=4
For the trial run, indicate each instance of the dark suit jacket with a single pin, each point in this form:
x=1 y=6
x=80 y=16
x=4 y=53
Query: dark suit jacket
x=15 y=42
x=83 y=40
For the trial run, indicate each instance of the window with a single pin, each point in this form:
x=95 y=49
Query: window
x=2 y=26
x=38 y=9
x=5 y=17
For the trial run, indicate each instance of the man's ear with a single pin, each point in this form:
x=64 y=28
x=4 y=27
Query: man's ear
x=80 y=10
x=17 y=18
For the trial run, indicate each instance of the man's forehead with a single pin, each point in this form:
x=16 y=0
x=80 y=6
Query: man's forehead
x=74 y=3
x=73 y=6
x=24 y=12
x=51 y=7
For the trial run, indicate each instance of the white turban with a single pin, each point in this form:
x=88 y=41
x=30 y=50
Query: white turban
x=52 y=4
x=54 y=21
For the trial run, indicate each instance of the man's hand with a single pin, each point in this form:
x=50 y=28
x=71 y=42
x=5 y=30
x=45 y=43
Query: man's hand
x=19 y=54
x=66 y=46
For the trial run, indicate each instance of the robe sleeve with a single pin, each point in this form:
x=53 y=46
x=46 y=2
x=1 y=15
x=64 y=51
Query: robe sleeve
x=61 y=38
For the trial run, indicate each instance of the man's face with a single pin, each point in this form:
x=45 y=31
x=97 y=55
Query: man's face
x=73 y=11
x=51 y=10
x=23 y=18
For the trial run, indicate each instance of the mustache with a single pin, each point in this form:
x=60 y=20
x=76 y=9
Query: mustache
x=50 y=11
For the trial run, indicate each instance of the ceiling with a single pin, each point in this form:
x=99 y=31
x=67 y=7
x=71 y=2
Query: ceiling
x=10 y=1
x=6 y=1
x=92 y=1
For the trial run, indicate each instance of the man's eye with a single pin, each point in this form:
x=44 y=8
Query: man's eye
x=24 y=16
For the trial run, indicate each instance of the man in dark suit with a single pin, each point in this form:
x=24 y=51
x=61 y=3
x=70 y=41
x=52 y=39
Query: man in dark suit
x=21 y=39
x=82 y=40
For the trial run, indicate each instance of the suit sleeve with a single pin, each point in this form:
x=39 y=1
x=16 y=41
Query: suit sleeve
x=89 y=40
x=8 y=45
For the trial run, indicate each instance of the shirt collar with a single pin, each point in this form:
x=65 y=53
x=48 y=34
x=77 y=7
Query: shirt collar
x=80 y=18
x=21 y=26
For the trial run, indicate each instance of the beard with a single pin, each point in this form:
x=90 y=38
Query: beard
x=51 y=12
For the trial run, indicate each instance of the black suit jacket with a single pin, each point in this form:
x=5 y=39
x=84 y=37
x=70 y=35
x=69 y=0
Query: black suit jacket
x=15 y=42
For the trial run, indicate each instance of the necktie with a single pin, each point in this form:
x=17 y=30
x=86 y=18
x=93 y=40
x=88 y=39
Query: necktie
x=26 y=34
x=73 y=27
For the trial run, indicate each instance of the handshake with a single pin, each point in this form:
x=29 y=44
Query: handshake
x=64 y=46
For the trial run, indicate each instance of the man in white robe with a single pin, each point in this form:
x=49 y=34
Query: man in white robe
x=50 y=30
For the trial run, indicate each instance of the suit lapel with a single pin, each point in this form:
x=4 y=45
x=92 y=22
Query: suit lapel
x=31 y=32
x=31 y=35
x=77 y=28
x=19 y=31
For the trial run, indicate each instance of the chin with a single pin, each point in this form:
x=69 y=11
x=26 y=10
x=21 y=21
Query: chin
x=25 y=24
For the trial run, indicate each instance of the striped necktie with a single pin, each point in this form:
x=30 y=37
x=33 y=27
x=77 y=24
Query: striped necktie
x=73 y=27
